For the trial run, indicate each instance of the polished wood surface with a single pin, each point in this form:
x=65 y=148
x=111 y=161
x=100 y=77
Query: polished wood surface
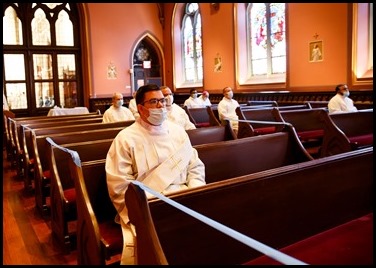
x=26 y=234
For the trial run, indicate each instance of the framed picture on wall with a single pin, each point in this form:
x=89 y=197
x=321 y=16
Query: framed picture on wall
x=316 y=51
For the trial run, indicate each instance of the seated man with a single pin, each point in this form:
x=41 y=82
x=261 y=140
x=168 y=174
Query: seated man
x=154 y=151
x=341 y=101
x=133 y=106
x=227 y=108
x=117 y=112
x=175 y=113
x=205 y=98
x=193 y=101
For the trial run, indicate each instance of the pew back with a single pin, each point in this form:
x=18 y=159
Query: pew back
x=347 y=131
x=309 y=125
x=202 y=117
x=39 y=146
x=355 y=123
x=232 y=158
x=277 y=207
x=99 y=238
x=62 y=192
x=210 y=134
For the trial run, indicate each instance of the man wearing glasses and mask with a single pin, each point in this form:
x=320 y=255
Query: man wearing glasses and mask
x=154 y=151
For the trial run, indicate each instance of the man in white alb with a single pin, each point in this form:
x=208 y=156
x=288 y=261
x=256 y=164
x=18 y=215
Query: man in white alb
x=147 y=151
x=175 y=113
x=341 y=102
x=133 y=106
x=117 y=112
x=193 y=101
x=227 y=109
x=204 y=97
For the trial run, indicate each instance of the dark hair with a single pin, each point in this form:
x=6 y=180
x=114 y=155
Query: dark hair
x=338 y=87
x=140 y=95
x=192 y=90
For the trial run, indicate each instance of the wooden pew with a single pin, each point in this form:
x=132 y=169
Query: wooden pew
x=324 y=104
x=277 y=207
x=16 y=129
x=210 y=134
x=265 y=114
x=246 y=129
x=99 y=238
x=309 y=125
x=45 y=124
x=202 y=117
x=86 y=217
x=356 y=129
x=232 y=158
x=63 y=194
x=39 y=146
x=8 y=140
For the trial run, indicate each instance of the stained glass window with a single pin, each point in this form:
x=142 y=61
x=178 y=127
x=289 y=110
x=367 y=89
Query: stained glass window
x=267 y=42
x=192 y=44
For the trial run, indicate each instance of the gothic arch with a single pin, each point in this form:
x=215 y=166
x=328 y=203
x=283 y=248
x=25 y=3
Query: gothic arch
x=146 y=48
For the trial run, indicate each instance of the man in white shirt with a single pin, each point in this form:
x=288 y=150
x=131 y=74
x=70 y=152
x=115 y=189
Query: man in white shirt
x=175 y=113
x=226 y=108
x=205 y=98
x=193 y=101
x=154 y=151
x=117 y=112
x=341 y=102
x=133 y=106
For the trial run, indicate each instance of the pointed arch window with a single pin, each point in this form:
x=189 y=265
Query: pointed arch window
x=41 y=56
x=192 y=44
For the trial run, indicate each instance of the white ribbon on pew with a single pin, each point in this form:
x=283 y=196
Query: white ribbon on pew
x=268 y=251
x=74 y=154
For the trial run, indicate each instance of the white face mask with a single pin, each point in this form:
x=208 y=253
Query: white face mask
x=230 y=94
x=169 y=100
x=119 y=103
x=157 y=116
x=194 y=95
x=346 y=93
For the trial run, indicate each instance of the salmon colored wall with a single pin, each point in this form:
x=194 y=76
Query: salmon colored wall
x=329 y=21
x=218 y=35
x=114 y=30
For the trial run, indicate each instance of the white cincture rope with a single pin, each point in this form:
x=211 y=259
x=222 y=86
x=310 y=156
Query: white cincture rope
x=273 y=253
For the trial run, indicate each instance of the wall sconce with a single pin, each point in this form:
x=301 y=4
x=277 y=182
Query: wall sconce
x=215 y=6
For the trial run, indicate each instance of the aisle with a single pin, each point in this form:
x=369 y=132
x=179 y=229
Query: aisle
x=26 y=235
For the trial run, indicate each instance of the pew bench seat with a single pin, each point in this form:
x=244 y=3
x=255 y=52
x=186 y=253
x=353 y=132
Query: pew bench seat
x=361 y=140
x=203 y=124
x=265 y=130
x=112 y=237
x=310 y=134
x=350 y=243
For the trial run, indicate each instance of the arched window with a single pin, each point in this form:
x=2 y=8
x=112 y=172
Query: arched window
x=192 y=44
x=261 y=47
x=41 y=56
x=362 y=44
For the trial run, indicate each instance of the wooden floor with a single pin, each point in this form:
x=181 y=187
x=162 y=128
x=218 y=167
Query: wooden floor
x=26 y=235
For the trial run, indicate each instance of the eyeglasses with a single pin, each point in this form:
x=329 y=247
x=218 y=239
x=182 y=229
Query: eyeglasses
x=154 y=102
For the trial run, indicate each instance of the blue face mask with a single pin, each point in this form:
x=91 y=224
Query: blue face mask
x=157 y=116
x=119 y=103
